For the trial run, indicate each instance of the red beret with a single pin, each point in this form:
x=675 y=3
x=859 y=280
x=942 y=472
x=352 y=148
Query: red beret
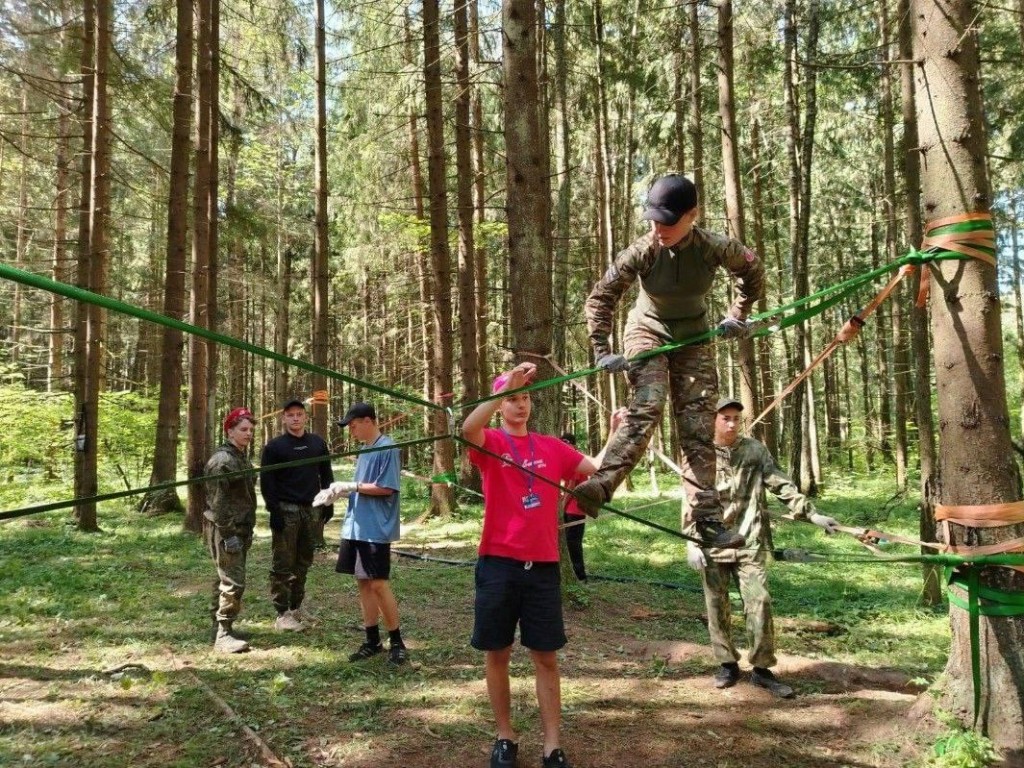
x=237 y=415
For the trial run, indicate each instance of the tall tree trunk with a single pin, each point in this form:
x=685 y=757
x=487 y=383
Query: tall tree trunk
x=197 y=449
x=679 y=89
x=213 y=224
x=931 y=594
x=21 y=232
x=528 y=242
x=976 y=461
x=733 y=187
x=564 y=172
x=468 y=360
x=767 y=430
x=442 y=497
x=168 y=422
x=479 y=204
x=55 y=363
x=321 y=247
x=696 y=108
x=98 y=250
x=900 y=363
x=1018 y=308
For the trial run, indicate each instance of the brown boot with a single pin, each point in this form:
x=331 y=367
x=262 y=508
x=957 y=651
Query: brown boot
x=591 y=496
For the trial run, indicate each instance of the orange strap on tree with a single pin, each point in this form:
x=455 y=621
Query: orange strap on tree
x=983 y=516
x=966 y=234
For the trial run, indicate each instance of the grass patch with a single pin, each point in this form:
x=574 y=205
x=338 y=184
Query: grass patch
x=75 y=606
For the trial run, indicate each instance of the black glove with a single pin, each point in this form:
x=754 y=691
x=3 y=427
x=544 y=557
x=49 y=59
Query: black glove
x=612 y=363
x=233 y=545
x=276 y=520
x=326 y=513
x=733 y=328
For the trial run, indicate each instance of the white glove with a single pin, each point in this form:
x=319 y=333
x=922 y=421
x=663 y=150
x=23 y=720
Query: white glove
x=333 y=492
x=695 y=557
x=822 y=521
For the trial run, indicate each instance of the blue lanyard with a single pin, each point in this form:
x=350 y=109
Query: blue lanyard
x=527 y=476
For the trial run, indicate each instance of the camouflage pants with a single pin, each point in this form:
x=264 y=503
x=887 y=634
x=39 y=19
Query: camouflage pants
x=226 y=597
x=689 y=378
x=750 y=572
x=291 y=556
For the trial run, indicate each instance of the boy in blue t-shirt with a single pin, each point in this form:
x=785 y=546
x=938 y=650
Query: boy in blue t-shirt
x=370 y=526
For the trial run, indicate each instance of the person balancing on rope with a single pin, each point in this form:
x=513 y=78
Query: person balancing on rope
x=675 y=263
x=745 y=469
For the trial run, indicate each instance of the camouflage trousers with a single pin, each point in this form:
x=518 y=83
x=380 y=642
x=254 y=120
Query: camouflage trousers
x=688 y=377
x=226 y=597
x=292 y=555
x=750 y=572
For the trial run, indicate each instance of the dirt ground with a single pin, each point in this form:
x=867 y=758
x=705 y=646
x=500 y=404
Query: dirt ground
x=628 y=701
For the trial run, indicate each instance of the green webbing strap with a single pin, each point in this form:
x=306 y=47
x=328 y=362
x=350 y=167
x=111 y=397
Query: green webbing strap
x=998 y=603
x=80 y=294
x=55 y=505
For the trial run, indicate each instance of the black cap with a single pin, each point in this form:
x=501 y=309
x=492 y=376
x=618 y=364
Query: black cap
x=669 y=198
x=358 y=411
x=293 y=402
x=728 y=402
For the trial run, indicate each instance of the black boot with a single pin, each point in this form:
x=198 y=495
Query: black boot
x=715 y=535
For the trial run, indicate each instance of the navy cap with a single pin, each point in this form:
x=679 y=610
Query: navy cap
x=292 y=403
x=358 y=411
x=669 y=198
x=728 y=402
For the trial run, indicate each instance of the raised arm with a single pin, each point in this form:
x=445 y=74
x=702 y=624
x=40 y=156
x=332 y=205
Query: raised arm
x=474 y=424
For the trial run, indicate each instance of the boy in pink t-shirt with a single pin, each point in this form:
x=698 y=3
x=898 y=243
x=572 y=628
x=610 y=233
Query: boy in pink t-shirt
x=517 y=575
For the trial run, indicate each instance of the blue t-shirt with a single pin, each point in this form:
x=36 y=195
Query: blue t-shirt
x=375 y=518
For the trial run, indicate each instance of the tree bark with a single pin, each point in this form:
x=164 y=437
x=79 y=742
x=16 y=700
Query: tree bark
x=529 y=246
x=442 y=497
x=321 y=246
x=976 y=462
x=168 y=423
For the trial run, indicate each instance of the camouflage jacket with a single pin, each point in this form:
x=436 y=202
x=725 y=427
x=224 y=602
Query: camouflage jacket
x=744 y=472
x=674 y=285
x=230 y=502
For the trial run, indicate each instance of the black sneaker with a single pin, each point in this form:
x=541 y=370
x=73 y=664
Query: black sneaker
x=556 y=760
x=504 y=753
x=727 y=676
x=366 y=651
x=398 y=655
x=716 y=535
x=763 y=678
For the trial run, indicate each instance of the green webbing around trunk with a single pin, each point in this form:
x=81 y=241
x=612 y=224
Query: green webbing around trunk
x=55 y=505
x=997 y=602
x=88 y=297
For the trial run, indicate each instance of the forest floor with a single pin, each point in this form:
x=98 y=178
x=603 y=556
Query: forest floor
x=104 y=661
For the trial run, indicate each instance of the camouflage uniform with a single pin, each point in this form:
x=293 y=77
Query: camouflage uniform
x=231 y=512
x=671 y=306
x=744 y=471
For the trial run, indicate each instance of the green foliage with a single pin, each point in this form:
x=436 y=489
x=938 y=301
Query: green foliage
x=961 y=747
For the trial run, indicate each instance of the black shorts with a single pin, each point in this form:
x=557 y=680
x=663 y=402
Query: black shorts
x=510 y=592
x=364 y=559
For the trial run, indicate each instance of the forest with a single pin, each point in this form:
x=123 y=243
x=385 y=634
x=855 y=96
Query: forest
x=213 y=203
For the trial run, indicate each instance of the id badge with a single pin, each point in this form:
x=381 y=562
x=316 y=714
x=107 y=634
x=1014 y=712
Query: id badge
x=531 y=501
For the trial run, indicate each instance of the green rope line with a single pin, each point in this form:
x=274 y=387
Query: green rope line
x=88 y=297
x=53 y=506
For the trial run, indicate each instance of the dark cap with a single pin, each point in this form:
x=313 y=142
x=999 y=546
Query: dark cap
x=728 y=402
x=293 y=402
x=669 y=198
x=358 y=411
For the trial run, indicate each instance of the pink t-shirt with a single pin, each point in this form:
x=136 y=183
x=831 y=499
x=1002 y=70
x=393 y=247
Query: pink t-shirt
x=510 y=528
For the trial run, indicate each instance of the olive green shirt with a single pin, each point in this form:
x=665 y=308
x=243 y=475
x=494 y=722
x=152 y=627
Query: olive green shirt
x=744 y=472
x=230 y=501
x=674 y=285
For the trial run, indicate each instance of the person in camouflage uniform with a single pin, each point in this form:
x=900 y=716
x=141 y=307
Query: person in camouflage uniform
x=228 y=522
x=745 y=469
x=676 y=264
